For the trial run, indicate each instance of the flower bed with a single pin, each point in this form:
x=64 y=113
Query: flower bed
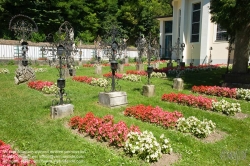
x=203 y=103
x=153 y=115
x=4 y=71
x=144 y=144
x=200 y=129
x=129 y=77
x=136 y=72
x=40 y=70
x=91 y=80
x=88 y=65
x=117 y=75
x=44 y=86
x=158 y=74
x=8 y=157
x=237 y=93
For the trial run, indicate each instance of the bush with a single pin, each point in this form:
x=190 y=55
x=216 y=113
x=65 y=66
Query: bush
x=11 y=62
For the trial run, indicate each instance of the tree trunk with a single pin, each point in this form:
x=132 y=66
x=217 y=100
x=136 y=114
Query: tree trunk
x=241 y=52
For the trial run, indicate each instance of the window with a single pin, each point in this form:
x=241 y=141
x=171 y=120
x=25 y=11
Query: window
x=168 y=26
x=221 y=34
x=195 y=33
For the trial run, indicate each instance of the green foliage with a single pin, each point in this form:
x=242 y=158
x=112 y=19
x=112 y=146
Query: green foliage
x=89 y=18
x=37 y=37
x=11 y=62
x=85 y=36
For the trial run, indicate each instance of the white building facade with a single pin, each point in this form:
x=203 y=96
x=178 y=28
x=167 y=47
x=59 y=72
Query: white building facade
x=205 y=42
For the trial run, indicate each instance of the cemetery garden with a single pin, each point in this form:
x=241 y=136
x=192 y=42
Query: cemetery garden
x=203 y=124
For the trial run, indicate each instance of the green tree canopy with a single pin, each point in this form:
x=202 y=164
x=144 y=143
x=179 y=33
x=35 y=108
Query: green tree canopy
x=89 y=18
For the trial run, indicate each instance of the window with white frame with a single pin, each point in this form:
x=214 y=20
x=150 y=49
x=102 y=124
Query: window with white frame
x=195 y=30
x=221 y=34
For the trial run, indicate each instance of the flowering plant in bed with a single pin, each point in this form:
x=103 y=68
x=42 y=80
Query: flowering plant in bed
x=8 y=157
x=156 y=115
x=88 y=65
x=103 y=129
x=226 y=107
x=4 y=71
x=136 y=72
x=117 y=75
x=158 y=74
x=40 y=70
x=198 y=128
x=44 y=86
x=153 y=115
x=129 y=77
x=91 y=80
x=203 y=103
x=144 y=144
x=238 y=93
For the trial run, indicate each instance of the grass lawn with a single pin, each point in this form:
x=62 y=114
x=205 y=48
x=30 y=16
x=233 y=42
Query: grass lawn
x=26 y=125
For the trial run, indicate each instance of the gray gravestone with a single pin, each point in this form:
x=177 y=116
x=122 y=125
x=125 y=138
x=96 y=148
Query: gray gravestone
x=120 y=68
x=178 y=84
x=149 y=90
x=98 y=69
x=139 y=67
x=113 y=99
x=61 y=111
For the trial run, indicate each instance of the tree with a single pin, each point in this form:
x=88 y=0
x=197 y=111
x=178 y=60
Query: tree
x=234 y=16
x=89 y=18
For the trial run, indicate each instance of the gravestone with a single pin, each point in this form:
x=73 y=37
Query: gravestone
x=148 y=90
x=120 y=68
x=113 y=99
x=98 y=69
x=178 y=84
x=139 y=67
x=126 y=60
x=61 y=111
x=24 y=74
x=66 y=72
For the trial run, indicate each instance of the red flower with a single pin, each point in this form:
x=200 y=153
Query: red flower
x=153 y=115
x=38 y=85
x=103 y=129
x=84 y=79
x=117 y=75
x=190 y=100
x=136 y=72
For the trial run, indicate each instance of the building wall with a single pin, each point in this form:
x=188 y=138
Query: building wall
x=199 y=51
